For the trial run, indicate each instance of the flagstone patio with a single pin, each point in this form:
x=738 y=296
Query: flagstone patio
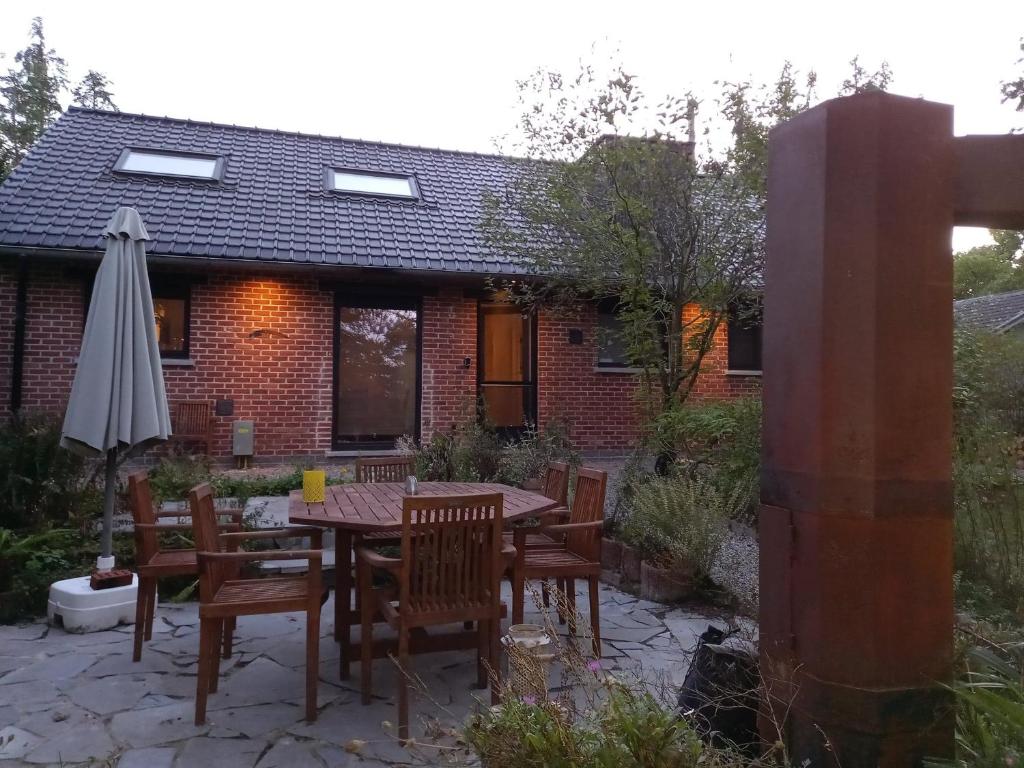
x=78 y=699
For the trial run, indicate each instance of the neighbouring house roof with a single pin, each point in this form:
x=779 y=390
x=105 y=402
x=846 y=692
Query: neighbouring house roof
x=270 y=204
x=998 y=312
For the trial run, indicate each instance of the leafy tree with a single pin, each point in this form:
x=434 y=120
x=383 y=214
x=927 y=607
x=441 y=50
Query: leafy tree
x=994 y=268
x=638 y=220
x=30 y=94
x=93 y=91
x=1013 y=90
x=862 y=81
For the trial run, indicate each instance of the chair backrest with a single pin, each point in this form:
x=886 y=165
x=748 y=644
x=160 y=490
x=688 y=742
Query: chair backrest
x=587 y=506
x=204 y=528
x=556 y=482
x=192 y=418
x=392 y=469
x=140 y=499
x=451 y=556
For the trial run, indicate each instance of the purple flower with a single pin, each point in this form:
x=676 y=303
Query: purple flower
x=594 y=665
x=530 y=700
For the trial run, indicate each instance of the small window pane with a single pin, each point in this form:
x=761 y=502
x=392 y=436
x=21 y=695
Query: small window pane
x=372 y=184
x=170 y=324
x=169 y=165
x=744 y=333
x=612 y=351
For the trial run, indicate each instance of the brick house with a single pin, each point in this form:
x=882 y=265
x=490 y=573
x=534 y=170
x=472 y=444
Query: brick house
x=336 y=292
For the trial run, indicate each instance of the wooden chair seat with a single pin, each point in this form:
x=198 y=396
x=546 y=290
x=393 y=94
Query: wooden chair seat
x=540 y=560
x=164 y=561
x=266 y=595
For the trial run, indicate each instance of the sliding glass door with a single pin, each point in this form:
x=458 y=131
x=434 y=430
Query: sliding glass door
x=376 y=371
x=506 y=365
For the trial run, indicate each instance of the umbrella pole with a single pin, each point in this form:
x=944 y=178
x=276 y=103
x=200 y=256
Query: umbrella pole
x=106 y=560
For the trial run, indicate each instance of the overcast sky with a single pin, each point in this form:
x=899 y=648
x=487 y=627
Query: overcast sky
x=444 y=73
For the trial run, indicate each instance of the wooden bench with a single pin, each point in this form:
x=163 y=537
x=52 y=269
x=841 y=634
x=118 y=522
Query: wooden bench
x=192 y=421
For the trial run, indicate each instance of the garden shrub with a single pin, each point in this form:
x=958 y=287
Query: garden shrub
x=40 y=482
x=528 y=456
x=721 y=438
x=473 y=451
x=681 y=521
x=988 y=492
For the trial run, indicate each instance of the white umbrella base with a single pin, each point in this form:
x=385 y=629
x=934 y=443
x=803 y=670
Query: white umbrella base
x=77 y=607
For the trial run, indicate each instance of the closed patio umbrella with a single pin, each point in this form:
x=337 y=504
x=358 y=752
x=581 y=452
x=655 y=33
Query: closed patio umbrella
x=118 y=399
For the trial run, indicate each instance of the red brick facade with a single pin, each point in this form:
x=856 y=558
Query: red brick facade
x=264 y=340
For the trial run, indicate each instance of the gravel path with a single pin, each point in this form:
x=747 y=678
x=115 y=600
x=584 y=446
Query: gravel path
x=737 y=566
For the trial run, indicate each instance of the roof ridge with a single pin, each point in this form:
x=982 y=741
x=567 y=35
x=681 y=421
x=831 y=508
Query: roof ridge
x=301 y=134
x=1001 y=295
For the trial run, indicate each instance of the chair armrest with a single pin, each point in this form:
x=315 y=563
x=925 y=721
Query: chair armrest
x=270 y=554
x=235 y=514
x=295 y=532
x=163 y=527
x=548 y=518
x=376 y=560
x=570 y=527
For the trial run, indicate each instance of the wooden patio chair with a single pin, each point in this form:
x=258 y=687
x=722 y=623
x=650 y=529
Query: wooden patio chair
x=154 y=562
x=223 y=596
x=556 y=486
x=192 y=422
x=450 y=571
x=577 y=556
x=390 y=469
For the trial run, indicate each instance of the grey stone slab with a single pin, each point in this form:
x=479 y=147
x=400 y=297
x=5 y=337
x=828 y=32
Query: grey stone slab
x=336 y=757
x=8 y=714
x=88 y=741
x=258 y=720
x=28 y=696
x=108 y=695
x=52 y=668
x=16 y=743
x=287 y=753
x=687 y=629
x=204 y=752
x=150 y=757
x=33 y=631
x=291 y=651
x=122 y=664
x=153 y=726
x=634 y=634
x=264 y=682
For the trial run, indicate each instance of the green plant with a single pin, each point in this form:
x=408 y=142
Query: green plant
x=174 y=476
x=40 y=482
x=722 y=437
x=990 y=710
x=680 y=521
x=528 y=457
x=988 y=492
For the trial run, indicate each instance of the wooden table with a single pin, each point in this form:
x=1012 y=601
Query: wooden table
x=355 y=509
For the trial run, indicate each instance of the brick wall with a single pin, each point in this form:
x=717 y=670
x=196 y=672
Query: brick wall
x=448 y=338
x=265 y=341
x=599 y=406
x=714 y=383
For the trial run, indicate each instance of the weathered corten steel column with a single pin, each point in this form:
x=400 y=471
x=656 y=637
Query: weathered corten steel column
x=856 y=517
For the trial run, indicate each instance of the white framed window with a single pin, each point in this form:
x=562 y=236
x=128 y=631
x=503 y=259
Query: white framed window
x=372 y=183
x=153 y=162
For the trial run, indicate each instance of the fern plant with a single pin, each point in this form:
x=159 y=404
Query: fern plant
x=681 y=521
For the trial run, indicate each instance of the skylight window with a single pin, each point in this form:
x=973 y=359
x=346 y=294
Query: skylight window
x=362 y=182
x=157 y=163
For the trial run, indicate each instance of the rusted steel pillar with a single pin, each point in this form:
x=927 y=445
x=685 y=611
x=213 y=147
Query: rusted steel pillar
x=856 y=516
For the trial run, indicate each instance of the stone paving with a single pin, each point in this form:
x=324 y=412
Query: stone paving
x=79 y=700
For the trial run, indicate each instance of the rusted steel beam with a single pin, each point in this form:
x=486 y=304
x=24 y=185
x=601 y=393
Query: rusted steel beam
x=989 y=181
x=856 y=525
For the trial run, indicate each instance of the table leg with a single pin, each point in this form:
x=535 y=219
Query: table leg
x=343 y=599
